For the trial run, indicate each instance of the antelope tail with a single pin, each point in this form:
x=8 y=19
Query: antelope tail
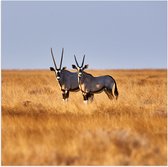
x=116 y=90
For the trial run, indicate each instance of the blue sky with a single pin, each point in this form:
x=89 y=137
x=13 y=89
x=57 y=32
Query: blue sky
x=112 y=34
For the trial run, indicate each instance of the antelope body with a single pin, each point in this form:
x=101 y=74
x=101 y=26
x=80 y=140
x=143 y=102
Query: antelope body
x=68 y=81
x=89 y=85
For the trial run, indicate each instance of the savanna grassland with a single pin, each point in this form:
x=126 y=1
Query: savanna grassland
x=38 y=128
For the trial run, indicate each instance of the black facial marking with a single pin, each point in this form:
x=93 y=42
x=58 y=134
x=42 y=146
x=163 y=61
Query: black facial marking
x=58 y=74
x=80 y=72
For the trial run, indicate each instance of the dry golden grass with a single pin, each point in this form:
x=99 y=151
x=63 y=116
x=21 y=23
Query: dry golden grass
x=38 y=128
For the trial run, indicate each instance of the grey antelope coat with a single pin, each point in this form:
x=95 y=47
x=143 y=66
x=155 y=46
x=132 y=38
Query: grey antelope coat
x=68 y=81
x=89 y=85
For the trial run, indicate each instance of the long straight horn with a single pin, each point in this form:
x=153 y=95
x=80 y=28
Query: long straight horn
x=76 y=61
x=83 y=61
x=61 y=57
x=53 y=59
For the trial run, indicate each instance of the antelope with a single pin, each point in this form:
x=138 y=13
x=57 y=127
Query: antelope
x=68 y=81
x=89 y=85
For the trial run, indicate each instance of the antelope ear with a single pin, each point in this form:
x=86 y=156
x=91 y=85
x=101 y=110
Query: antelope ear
x=52 y=69
x=86 y=66
x=74 y=67
x=64 y=68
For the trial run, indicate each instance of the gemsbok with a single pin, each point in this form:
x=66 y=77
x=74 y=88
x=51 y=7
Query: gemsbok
x=68 y=81
x=89 y=85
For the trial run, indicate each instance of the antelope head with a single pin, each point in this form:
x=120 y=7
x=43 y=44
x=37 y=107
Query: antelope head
x=55 y=68
x=81 y=68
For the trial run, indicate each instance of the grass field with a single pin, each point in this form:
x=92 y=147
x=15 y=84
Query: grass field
x=38 y=128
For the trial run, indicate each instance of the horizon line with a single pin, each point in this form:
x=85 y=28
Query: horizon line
x=35 y=69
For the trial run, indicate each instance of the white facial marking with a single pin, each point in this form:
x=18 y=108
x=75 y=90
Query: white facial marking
x=80 y=74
